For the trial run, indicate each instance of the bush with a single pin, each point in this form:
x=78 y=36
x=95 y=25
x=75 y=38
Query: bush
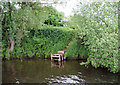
x=103 y=46
x=43 y=41
x=77 y=50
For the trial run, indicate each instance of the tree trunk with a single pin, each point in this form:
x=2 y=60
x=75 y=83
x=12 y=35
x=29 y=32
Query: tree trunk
x=12 y=45
x=12 y=41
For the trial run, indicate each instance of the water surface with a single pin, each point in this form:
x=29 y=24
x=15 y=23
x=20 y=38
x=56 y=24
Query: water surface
x=45 y=71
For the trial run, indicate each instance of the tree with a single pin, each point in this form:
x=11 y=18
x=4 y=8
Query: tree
x=18 y=22
x=99 y=31
x=54 y=17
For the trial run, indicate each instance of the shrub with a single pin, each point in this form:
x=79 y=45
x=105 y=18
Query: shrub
x=77 y=50
x=43 y=41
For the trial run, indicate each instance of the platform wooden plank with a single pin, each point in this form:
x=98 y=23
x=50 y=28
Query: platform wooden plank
x=58 y=55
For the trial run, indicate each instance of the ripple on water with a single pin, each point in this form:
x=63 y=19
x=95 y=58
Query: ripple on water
x=17 y=82
x=65 y=79
x=42 y=73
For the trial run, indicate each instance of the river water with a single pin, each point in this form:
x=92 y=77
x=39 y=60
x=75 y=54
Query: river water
x=45 y=71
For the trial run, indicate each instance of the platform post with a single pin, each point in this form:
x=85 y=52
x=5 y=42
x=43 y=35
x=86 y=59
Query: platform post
x=51 y=57
x=59 y=58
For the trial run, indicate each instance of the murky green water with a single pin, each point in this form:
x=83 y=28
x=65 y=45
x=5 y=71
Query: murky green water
x=45 y=71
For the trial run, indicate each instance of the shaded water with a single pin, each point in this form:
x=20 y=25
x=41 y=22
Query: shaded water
x=45 y=71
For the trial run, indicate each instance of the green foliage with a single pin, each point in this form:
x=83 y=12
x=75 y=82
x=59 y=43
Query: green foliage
x=99 y=33
x=16 y=23
x=76 y=50
x=54 y=17
x=76 y=21
x=56 y=38
x=19 y=23
x=45 y=41
x=30 y=17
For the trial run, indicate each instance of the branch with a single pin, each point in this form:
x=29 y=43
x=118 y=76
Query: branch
x=101 y=18
x=104 y=22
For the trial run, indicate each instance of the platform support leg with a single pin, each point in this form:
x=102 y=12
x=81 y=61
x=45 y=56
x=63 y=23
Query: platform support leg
x=59 y=58
x=51 y=57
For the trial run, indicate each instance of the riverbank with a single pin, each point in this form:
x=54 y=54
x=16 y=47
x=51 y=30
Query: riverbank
x=43 y=57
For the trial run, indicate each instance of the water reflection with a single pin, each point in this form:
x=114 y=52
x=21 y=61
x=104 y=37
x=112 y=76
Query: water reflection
x=57 y=64
x=45 y=71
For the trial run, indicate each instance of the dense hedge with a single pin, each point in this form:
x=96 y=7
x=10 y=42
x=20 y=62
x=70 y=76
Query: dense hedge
x=43 y=42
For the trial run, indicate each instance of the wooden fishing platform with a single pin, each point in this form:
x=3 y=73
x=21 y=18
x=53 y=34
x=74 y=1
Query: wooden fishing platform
x=58 y=57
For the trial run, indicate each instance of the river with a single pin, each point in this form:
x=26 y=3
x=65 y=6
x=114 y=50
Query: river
x=45 y=71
